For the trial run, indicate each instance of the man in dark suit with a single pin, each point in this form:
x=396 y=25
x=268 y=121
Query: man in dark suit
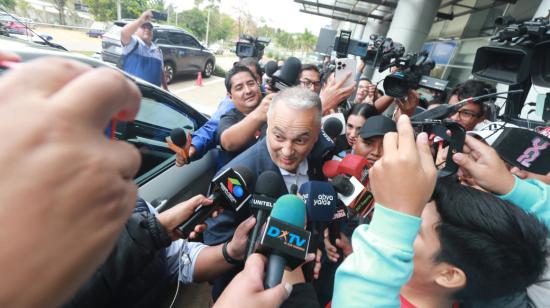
x=294 y=146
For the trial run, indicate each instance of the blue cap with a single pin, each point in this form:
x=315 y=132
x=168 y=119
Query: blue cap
x=290 y=209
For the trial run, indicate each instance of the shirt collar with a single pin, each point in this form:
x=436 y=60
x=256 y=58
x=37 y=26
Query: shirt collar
x=302 y=169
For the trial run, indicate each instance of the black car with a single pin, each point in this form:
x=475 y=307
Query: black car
x=182 y=52
x=160 y=182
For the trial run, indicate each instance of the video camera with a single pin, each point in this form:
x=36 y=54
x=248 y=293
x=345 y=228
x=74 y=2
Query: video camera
x=250 y=46
x=412 y=67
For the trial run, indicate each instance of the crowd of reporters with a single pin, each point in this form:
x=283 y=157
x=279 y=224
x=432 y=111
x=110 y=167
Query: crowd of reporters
x=407 y=239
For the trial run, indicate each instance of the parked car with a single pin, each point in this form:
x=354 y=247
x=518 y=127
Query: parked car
x=160 y=182
x=182 y=52
x=95 y=33
x=216 y=49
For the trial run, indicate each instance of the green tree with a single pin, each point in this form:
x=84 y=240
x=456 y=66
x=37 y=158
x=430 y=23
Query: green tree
x=157 y=5
x=307 y=40
x=8 y=4
x=194 y=20
x=60 y=6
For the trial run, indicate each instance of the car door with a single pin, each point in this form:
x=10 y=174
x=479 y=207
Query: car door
x=160 y=182
x=182 y=55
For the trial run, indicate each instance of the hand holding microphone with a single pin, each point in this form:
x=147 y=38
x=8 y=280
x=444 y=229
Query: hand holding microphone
x=179 y=141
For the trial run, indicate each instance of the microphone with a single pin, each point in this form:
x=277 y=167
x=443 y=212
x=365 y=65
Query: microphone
x=525 y=149
x=179 y=141
x=229 y=190
x=355 y=196
x=330 y=168
x=333 y=127
x=444 y=111
x=322 y=147
x=287 y=76
x=270 y=68
x=356 y=166
x=267 y=189
x=321 y=200
x=284 y=238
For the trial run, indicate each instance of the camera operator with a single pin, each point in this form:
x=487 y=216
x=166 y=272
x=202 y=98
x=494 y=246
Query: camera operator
x=366 y=92
x=149 y=256
x=140 y=56
x=472 y=113
x=471 y=244
x=206 y=138
x=66 y=189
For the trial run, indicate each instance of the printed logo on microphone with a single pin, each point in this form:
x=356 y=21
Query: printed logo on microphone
x=290 y=239
x=323 y=199
x=234 y=186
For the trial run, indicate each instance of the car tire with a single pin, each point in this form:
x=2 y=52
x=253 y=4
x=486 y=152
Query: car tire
x=169 y=71
x=208 y=69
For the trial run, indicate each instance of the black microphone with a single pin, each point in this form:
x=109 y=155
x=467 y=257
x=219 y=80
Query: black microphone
x=270 y=68
x=266 y=191
x=287 y=76
x=178 y=137
x=284 y=239
x=333 y=127
x=229 y=190
x=321 y=200
x=322 y=147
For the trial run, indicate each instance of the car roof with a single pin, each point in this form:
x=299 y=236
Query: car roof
x=122 y=22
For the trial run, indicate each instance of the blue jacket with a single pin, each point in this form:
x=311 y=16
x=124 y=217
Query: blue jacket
x=382 y=258
x=204 y=138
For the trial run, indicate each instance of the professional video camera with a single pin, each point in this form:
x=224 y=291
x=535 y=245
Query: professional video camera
x=412 y=67
x=250 y=46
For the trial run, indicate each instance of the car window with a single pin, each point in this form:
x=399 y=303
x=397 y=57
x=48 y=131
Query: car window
x=189 y=41
x=176 y=38
x=161 y=37
x=148 y=132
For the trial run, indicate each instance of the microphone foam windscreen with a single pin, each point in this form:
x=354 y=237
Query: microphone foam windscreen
x=179 y=137
x=270 y=68
x=269 y=183
x=321 y=200
x=288 y=74
x=330 y=168
x=353 y=165
x=290 y=209
x=246 y=175
x=333 y=127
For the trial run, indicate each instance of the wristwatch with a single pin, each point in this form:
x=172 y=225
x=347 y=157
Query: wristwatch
x=227 y=257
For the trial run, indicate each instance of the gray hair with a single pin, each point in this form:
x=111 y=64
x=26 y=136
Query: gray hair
x=298 y=98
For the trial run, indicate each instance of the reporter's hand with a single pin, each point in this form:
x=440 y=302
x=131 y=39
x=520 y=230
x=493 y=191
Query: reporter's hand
x=176 y=215
x=66 y=190
x=408 y=106
x=236 y=248
x=246 y=290
x=146 y=16
x=404 y=178
x=181 y=160
x=343 y=243
x=261 y=111
x=334 y=93
x=523 y=174
x=485 y=166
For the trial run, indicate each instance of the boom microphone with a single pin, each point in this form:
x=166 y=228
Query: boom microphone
x=284 y=238
x=266 y=191
x=229 y=191
x=444 y=111
x=270 y=68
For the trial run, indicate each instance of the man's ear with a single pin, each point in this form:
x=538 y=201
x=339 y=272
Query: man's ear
x=229 y=94
x=451 y=277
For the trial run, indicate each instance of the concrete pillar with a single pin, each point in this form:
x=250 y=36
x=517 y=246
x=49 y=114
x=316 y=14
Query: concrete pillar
x=412 y=21
x=374 y=26
x=358 y=32
x=543 y=8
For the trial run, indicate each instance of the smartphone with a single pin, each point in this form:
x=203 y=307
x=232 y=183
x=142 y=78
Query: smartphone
x=343 y=67
x=160 y=16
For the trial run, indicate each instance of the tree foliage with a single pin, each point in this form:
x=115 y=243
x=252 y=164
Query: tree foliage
x=8 y=4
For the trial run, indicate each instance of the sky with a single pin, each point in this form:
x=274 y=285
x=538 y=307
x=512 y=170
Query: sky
x=284 y=14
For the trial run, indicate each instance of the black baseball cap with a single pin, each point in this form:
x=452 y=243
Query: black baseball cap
x=147 y=24
x=377 y=126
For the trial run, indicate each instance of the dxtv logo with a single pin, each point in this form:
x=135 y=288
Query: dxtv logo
x=290 y=239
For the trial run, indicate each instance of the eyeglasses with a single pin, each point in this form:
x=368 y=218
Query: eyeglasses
x=308 y=83
x=467 y=114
